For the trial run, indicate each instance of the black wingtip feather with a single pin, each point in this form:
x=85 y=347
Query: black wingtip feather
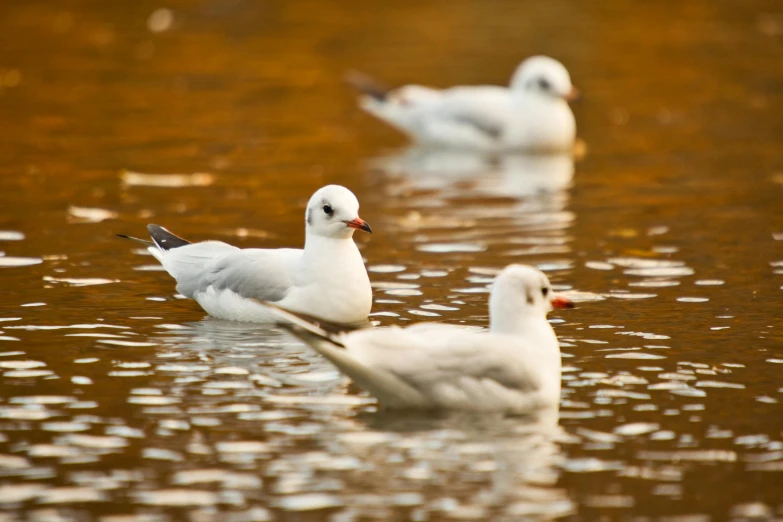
x=144 y=241
x=165 y=239
x=367 y=85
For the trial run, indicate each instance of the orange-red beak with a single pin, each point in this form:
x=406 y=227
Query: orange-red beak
x=562 y=302
x=573 y=95
x=360 y=224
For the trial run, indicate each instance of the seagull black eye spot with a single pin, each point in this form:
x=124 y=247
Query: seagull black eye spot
x=328 y=210
x=544 y=291
x=544 y=84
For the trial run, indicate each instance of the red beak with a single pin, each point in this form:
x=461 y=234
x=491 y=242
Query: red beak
x=360 y=224
x=562 y=302
x=573 y=95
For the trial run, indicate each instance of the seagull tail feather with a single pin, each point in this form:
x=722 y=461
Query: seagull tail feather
x=292 y=321
x=365 y=84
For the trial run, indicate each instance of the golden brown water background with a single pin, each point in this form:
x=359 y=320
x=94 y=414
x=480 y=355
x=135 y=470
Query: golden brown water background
x=119 y=399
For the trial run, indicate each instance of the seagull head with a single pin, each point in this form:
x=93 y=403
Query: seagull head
x=333 y=211
x=544 y=76
x=523 y=291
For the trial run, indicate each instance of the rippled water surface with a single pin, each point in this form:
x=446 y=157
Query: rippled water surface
x=121 y=402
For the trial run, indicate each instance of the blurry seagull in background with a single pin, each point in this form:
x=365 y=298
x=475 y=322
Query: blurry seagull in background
x=513 y=368
x=531 y=115
x=326 y=280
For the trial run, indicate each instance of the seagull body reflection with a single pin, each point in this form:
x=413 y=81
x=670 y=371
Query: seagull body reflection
x=507 y=175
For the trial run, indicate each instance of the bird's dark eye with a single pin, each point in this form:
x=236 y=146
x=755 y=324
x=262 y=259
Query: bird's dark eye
x=328 y=209
x=544 y=291
x=544 y=84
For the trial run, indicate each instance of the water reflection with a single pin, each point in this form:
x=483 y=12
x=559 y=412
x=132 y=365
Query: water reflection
x=493 y=465
x=262 y=356
x=455 y=172
x=509 y=208
x=269 y=391
x=496 y=465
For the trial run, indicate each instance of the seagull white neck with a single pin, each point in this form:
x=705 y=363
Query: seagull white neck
x=540 y=339
x=333 y=257
x=515 y=324
x=315 y=242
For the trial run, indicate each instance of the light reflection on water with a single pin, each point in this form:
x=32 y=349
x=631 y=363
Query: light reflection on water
x=244 y=419
x=118 y=398
x=462 y=174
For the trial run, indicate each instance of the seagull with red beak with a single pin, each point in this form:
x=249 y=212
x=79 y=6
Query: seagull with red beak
x=530 y=115
x=513 y=367
x=326 y=280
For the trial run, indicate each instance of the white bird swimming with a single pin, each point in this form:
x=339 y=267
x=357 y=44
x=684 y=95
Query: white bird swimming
x=512 y=368
x=531 y=115
x=326 y=280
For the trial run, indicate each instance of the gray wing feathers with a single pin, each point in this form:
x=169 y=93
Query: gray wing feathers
x=484 y=110
x=492 y=129
x=505 y=371
x=191 y=263
x=214 y=265
x=389 y=389
x=260 y=274
x=425 y=361
x=256 y=273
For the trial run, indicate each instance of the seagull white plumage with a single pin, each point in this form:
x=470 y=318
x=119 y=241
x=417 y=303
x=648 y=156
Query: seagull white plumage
x=530 y=115
x=513 y=368
x=326 y=280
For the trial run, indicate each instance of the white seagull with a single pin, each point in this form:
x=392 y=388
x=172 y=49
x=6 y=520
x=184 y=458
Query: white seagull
x=326 y=280
x=513 y=368
x=531 y=115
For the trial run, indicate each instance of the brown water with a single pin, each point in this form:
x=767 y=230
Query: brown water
x=121 y=402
